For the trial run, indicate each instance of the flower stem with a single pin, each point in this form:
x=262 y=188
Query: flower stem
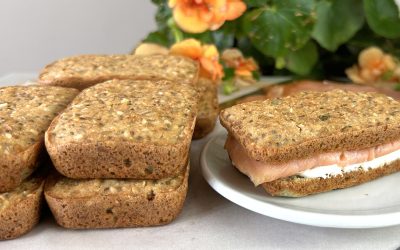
x=176 y=32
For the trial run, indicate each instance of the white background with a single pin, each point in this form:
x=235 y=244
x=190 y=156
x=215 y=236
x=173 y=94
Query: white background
x=36 y=32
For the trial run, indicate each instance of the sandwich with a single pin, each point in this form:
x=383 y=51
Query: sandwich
x=83 y=71
x=314 y=142
x=115 y=203
x=124 y=129
x=25 y=114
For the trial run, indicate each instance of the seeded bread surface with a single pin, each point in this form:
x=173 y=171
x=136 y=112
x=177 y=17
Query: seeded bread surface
x=296 y=186
x=309 y=123
x=20 y=208
x=25 y=114
x=208 y=108
x=87 y=70
x=112 y=203
x=125 y=129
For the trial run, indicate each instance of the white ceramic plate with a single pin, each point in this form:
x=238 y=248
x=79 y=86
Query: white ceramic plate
x=374 y=204
x=264 y=82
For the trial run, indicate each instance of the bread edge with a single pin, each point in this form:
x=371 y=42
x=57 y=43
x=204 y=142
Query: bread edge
x=147 y=210
x=83 y=164
x=300 y=187
x=24 y=215
x=16 y=168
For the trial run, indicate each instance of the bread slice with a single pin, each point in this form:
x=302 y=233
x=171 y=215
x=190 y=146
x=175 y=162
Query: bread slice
x=112 y=203
x=20 y=208
x=125 y=129
x=25 y=114
x=86 y=70
x=310 y=123
x=208 y=108
x=296 y=186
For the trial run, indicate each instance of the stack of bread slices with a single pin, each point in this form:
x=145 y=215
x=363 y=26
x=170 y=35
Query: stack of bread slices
x=120 y=147
x=25 y=114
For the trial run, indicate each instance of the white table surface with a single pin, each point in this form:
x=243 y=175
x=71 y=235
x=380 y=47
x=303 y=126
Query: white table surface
x=207 y=221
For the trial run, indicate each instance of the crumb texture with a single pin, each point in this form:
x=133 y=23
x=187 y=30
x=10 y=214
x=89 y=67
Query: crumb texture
x=125 y=129
x=313 y=122
x=26 y=113
x=86 y=70
x=127 y=110
x=83 y=204
x=20 y=208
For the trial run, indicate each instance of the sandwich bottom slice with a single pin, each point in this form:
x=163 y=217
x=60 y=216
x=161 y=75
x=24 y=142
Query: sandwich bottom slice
x=295 y=179
x=297 y=186
x=20 y=208
x=115 y=203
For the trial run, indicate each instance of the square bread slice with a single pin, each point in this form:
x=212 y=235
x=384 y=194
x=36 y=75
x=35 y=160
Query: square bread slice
x=115 y=203
x=309 y=123
x=125 y=129
x=25 y=114
x=20 y=208
x=208 y=108
x=87 y=70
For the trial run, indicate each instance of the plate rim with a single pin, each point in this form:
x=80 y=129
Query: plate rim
x=292 y=215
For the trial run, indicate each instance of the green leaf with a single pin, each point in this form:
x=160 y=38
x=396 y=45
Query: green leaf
x=397 y=87
x=256 y=3
x=158 y=37
x=256 y=75
x=163 y=14
x=331 y=33
x=302 y=60
x=383 y=17
x=228 y=87
x=224 y=37
x=158 y=2
x=277 y=29
x=229 y=73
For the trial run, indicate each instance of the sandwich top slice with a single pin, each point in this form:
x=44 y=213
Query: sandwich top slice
x=84 y=71
x=314 y=136
x=124 y=129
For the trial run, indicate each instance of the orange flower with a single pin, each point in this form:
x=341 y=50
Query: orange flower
x=373 y=63
x=196 y=16
x=244 y=67
x=206 y=55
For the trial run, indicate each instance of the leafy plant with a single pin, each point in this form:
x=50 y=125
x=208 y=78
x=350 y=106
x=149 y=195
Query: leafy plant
x=306 y=37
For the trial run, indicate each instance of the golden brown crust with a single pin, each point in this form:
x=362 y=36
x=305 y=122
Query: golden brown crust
x=309 y=123
x=25 y=114
x=298 y=186
x=208 y=108
x=87 y=70
x=149 y=207
x=20 y=214
x=17 y=167
x=150 y=140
